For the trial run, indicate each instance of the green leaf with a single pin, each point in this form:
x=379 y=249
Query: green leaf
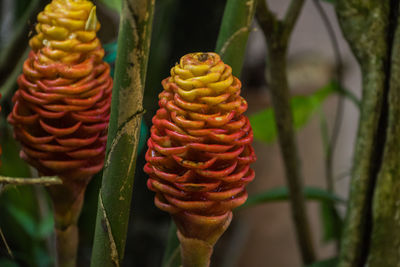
x=234 y=33
x=36 y=230
x=12 y=165
x=42 y=258
x=46 y=226
x=333 y=262
x=332 y=223
x=24 y=219
x=282 y=194
x=8 y=263
x=111 y=55
x=172 y=255
x=111 y=52
x=303 y=107
x=116 y=5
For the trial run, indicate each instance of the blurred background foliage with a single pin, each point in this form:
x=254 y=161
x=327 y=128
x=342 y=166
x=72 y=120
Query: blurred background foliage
x=179 y=27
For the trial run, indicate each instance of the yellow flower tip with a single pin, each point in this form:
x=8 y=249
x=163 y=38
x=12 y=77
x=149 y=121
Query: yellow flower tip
x=200 y=58
x=198 y=71
x=68 y=26
x=91 y=23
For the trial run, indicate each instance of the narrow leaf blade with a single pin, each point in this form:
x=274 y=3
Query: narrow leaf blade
x=303 y=107
x=282 y=194
x=332 y=223
x=24 y=219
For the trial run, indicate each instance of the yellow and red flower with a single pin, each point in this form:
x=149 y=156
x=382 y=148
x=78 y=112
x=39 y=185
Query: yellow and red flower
x=199 y=152
x=62 y=106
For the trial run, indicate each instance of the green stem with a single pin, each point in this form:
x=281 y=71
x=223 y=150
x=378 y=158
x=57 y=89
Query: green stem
x=124 y=129
x=383 y=250
x=364 y=32
x=234 y=32
x=67 y=200
x=277 y=34
x=195 y=252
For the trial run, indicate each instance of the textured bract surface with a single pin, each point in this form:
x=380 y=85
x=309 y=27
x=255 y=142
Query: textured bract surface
x=200 y=146
x=61 y=109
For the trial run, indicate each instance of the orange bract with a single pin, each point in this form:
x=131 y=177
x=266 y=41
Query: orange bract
x=61 y=109
x=200 y=145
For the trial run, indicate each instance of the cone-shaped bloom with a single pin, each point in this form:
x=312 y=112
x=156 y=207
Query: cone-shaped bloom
x=200 y=147
x=61 y=109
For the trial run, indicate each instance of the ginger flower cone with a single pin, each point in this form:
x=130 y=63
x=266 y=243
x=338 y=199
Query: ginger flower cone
x=199 y=152
x=61 y=110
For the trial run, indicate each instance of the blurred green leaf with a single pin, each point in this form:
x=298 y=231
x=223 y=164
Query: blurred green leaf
x=113 y=4
x=234 y=33
x=42 y=258
x=282 y=194
x=325 y=263
x=330 y=1
x=8 y=263
x=111 y=52
x=303 y=107
x=18 y=204
x=46 y=226
x=10 y=83
x=24 y=219
x=111 y=55
x=332 y=223
x=172 y=255
x=12 y=165
x=11 y=34
x=37 y=230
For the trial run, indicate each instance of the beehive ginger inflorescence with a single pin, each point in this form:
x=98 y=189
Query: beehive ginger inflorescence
x=62 y=106
x=199 y=152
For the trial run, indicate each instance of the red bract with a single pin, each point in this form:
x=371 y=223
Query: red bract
x=200 y=149
x=61 y=108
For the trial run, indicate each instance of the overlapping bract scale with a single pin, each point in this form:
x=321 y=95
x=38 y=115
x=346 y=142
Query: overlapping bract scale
x=200 y=149
x=61 y=109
